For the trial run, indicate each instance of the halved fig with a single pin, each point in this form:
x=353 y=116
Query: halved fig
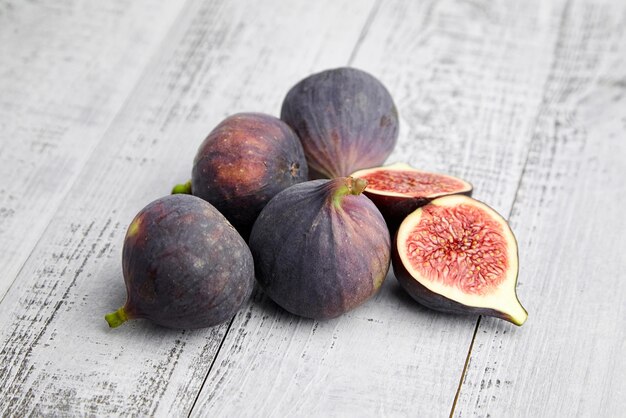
x=398 y=189
x=458 y=255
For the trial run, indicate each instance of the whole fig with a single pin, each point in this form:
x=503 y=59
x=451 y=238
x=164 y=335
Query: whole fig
x=246 y=160
x=321 y=248
x=345 y=118
x=184 y=265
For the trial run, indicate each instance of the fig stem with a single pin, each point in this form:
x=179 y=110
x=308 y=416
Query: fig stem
x=358 y=185
x=353 y=186
x=184 y=188
x=117 y=318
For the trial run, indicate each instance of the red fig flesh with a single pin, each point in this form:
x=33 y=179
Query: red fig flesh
x=399 y=189
x=458 y=255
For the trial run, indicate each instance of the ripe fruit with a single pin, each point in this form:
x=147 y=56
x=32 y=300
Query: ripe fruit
x=321 y=248
x=399 y=189
x=458 y=255
x=246 y=160
x=184 y=266
x=345 y=118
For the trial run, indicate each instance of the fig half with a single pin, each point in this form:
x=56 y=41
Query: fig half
x=321 y=248
x=458 y=255
x=399 y=189
x=345 y=118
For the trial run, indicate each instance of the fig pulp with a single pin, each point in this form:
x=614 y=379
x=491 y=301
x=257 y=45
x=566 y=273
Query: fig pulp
x=246 y=160
x=399 y=189
x=184 y=265
x=458 y=255
x=345 y=118
x=321 y=248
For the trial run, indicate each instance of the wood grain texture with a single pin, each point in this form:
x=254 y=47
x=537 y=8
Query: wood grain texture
x=468 y=79
x=568 y=359
x=65 y=69
x=103 y=105
x=57 y=355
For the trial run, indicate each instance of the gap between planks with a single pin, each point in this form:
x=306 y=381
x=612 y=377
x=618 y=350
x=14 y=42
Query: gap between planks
x=230 y=324
x=368 y=22
x=467 y=359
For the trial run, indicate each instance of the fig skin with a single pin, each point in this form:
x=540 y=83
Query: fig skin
x=321 y=248
x=395 y=208
x=244 y=162
x=184 y=266
x=345 y=118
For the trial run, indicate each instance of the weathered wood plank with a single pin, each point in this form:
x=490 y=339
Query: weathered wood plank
x=568 y=359
x=468 y=79
x=56 y=353
x=65 y=70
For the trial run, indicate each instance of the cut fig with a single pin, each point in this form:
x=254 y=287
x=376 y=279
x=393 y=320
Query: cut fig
x=458 y=255
x=321 y=248
x=399 y=189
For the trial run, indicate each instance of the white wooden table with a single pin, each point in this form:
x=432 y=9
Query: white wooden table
x=103 y=104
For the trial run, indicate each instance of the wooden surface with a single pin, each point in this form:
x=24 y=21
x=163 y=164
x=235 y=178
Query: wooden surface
x=103 y=104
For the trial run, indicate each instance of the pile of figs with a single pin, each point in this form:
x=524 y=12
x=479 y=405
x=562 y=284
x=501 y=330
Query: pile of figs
x=304 y=205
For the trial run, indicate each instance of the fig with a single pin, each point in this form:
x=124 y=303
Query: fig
x=246 y=160
x=184 y=265
x=345 y=118
x=458 y=255
x=399 y=189
x=321 y=248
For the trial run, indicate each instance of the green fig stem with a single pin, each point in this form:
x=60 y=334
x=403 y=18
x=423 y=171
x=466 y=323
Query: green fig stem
x=184 y=188
x=353 y=186
x=117 y=318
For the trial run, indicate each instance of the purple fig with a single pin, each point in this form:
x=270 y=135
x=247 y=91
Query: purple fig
x=244 y=162
x=321 y=248
x=184 y=266
x=345 y=118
